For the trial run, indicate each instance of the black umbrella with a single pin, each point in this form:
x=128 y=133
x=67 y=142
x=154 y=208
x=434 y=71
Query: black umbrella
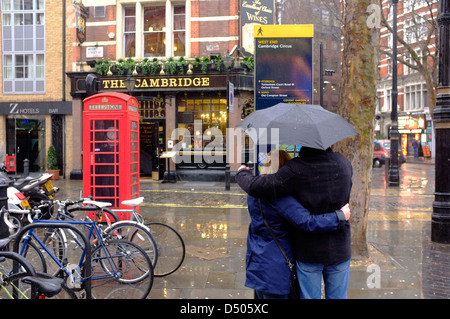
x=298 y=124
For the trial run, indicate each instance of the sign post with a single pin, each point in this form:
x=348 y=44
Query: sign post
x=283 y=64
x=283 y=70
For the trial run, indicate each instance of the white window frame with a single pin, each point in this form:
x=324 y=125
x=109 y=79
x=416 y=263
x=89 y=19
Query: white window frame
x=20 y=53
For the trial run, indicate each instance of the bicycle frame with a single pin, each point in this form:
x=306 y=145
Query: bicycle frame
x=86 y=255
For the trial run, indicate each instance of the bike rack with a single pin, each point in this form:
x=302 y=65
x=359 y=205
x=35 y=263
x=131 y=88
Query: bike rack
x=88 y=257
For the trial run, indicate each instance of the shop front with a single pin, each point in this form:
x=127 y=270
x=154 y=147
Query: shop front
x=30 y=128
x=180 y=114
x=412 y=128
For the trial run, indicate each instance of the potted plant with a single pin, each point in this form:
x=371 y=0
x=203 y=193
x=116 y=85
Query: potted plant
x=205 y=63
x=102 y=66
x=182 y=65
x=52 y=162
x=125 y=66
x=171 y=65
x=248 y=62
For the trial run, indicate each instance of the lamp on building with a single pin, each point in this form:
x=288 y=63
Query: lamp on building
x=130 y=83
x=227 y=63
x=394 y=133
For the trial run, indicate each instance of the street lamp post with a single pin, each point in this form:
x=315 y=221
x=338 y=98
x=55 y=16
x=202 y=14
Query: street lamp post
x=440 y=218
x=227 y=62
x=394 y=134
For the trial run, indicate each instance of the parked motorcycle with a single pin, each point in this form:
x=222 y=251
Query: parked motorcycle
x=31 y=191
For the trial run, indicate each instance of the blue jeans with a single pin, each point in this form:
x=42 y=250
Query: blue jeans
x=265 y=295
x=335 y=278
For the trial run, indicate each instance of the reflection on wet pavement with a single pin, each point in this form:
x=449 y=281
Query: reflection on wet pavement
x=214 y=224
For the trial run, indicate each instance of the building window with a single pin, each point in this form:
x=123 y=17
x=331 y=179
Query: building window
x=162 y=31
x=99 y=12
x=129 y=34
x=23 y=46
x=415 y=97
x=179 y=30
x=204 y=119
x=154 y=31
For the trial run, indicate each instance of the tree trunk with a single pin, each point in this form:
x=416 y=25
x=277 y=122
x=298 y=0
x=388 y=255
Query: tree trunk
x=357 y=105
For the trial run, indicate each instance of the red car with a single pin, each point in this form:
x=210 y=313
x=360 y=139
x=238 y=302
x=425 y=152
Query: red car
x=382 y=150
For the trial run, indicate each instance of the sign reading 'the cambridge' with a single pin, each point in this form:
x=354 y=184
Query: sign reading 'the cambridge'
x=283 y=64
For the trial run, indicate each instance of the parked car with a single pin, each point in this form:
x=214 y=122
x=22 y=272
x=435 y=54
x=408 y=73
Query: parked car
x=382 y=150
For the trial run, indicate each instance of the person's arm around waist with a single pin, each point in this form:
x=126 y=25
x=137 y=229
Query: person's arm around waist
x=301 y=219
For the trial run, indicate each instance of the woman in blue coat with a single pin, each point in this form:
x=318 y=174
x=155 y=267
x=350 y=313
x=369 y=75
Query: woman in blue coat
x=266 y=268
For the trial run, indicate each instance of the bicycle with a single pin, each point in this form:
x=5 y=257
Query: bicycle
x=170 y=244
x=128 y=230
x=112 y=265
x=19 y=279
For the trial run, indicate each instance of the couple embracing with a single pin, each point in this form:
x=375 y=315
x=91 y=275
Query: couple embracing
x=305 y=204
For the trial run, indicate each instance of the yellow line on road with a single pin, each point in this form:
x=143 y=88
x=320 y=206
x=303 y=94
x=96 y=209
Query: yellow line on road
x=189 y=192
x=192 y=206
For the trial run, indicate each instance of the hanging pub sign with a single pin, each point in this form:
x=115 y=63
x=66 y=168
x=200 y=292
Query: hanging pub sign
x=254 y=12
x=81 y=14
x=283 y=64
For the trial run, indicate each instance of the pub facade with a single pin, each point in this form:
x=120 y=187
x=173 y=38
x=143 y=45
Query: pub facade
x=172 y=51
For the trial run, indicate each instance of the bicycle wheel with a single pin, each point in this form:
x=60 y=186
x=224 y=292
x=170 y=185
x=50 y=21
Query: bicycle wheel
x=11 y=284
x=138 y=234
x=121 y=270
x=81 y=213
x=171 y=249
x=34 y=255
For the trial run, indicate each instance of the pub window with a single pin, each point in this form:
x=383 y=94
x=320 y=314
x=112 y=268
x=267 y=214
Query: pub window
x=129 y=35
x=23 y=46
x=154 y=31
x=179 y=30
x=205 y=119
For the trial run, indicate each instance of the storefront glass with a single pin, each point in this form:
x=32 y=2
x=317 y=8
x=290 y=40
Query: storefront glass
x=205 y=119
x=26 y=140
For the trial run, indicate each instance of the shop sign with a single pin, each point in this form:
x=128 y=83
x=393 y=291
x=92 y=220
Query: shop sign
x=283 y=64
x=35 y=108
x=254 y=12
x=146 y=83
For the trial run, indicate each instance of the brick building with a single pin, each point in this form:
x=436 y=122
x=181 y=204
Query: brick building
x=35 y=104
x=166 y=34
x=416 y=26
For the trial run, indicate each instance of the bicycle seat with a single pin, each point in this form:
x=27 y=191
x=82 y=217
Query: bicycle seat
x=98 y=204
x=133 y=202
x=4 y=242
x=46 y=286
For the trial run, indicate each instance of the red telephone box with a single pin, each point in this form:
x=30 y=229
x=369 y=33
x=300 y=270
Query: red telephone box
x=111 y=149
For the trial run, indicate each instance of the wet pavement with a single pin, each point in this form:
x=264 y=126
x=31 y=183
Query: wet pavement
x=403 y=263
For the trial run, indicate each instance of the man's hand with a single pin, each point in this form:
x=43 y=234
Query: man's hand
x=346 y=210
x=243 y=167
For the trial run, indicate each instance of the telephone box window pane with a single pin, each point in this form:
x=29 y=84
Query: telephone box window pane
x=104 y=170
x=134 y=125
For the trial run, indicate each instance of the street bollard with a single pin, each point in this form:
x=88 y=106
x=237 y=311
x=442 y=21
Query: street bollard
x=26 y=167
x=386 y=169
x=4 y=230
